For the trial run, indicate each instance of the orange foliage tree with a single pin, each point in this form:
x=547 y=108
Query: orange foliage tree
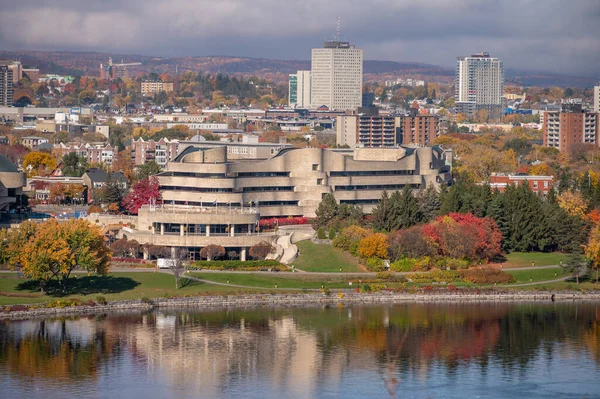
x=374 y=245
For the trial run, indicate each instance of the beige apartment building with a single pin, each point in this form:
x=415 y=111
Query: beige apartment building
x=151 y=88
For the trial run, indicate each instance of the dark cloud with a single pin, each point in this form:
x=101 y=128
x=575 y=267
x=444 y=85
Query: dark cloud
x=550 y=35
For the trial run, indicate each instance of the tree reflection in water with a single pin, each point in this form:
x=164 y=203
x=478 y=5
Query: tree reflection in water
x=300 y=351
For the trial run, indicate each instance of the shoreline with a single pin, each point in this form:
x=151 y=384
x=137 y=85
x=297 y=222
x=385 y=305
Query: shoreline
x=307 y=299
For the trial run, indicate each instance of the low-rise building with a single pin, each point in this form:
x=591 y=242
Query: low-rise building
x=161 y=151
x=540 y=185
x=33 y=142
x=95 y=179
x=99 y=153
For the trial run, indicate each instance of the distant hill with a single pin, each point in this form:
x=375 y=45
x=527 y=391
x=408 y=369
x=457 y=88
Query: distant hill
x=87 y=63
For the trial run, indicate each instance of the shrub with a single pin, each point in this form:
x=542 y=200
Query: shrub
x=403 y=265
x=147 y=300
x=212 y=251
x=90 y=303
x=331 y=234
x=249 y=265
x=321 y=233
x=261 y=250
x=101 y=300
x=436 y=276
x=487 y=275
x=64 y=303
x=375 y=264
x=374 y=245
x=410 y=243
x=387 y=275
x=349 y=237
x=377 y=287
x=365 y=288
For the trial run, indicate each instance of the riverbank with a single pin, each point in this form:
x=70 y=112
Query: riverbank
x=307 y=299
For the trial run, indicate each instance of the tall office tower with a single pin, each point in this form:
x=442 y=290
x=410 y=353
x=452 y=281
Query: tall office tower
x=6 y=85
x=597 y=98
x=336 y=73
x=299 y=89
x=479 y=85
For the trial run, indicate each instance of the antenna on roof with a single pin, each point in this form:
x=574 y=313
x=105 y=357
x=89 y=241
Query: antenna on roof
x=336 y=37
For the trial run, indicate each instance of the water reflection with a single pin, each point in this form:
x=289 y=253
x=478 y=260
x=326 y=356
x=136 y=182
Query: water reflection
x=307 y=352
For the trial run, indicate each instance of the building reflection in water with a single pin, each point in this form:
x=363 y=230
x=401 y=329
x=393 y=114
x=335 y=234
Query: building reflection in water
x=296 y=352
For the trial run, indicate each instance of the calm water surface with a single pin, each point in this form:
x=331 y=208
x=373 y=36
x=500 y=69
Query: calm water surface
x=414 y=351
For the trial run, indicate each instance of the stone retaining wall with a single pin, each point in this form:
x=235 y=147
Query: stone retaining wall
x=308 y=299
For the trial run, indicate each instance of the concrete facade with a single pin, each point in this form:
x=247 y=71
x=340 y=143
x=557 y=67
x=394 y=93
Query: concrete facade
x=293 y=182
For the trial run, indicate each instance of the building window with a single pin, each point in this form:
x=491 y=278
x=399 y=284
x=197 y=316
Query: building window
x=315 y=166
x=535 y=184
x=545 y=184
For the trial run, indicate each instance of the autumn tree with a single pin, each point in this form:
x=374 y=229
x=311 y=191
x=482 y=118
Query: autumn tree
x=261 y=250
x=36 y=160
x=375 y=245
x=573 y=203
x=212 y=251
x=592 y=250
x=142 y=193
x=123 y=163
x=57 y=249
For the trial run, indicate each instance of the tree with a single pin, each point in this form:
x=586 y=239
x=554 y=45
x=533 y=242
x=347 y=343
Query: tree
x=148 y=169
x=179 y=256
x=592 y=250
x=261 y=250
x=326 y=211
x=57 y=249
x=410 y=243
x=575 y=264
x=123 y=163
x=212 y=251
x=383 y=213
x=142 y=193
x=375 y=245
x=74 y=165
x=573 y=203
x=33 y=161
x=112 y=192
x=124 y=248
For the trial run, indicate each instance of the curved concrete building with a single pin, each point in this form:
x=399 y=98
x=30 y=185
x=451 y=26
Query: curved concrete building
x=293 y=182
x=11 y=184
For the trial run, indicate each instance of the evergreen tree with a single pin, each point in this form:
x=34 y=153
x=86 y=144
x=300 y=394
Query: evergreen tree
x=326 y=211
x=111 y=193
x=430 y=202
x=406 y=211
x=525 y=217
x=497 y=211
x=382 y=214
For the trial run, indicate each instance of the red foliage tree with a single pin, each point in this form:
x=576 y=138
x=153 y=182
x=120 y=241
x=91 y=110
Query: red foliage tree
x=466 y=236
x=144 y=192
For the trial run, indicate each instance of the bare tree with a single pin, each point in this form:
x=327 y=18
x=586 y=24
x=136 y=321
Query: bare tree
x=179 y=256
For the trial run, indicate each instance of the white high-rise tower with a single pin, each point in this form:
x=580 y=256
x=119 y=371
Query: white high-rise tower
x=479 y=85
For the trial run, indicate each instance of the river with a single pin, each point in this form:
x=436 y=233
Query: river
x=407 y=350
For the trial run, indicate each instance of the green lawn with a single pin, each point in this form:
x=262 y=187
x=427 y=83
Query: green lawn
x=527 y=276
x=262 y=280
x=324 y=258
x=524 y=259
x=115 y=286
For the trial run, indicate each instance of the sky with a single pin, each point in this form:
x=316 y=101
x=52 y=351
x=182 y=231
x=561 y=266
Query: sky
x=545 y=35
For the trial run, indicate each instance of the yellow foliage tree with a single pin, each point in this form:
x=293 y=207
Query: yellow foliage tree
x=541 y=169
x=36 y=159
x=57 y=249
x=573 y=203
x=592 y=249
x=375 y=245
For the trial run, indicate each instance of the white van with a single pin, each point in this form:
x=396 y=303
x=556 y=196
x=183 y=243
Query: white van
x=164 y=263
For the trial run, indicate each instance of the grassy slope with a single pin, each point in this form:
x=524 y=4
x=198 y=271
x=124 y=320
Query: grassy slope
x=524 y=259
x=324 y=258
x=527 y=276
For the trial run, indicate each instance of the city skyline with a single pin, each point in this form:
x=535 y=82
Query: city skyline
x=547 y=36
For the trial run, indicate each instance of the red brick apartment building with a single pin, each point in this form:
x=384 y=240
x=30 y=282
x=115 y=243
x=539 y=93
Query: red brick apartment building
x=538 y=184
x=572 y=125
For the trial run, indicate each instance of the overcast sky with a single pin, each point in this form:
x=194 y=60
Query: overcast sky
x=549 y=35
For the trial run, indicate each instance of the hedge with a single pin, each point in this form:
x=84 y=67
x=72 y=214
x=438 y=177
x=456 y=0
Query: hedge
x=249 y=265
